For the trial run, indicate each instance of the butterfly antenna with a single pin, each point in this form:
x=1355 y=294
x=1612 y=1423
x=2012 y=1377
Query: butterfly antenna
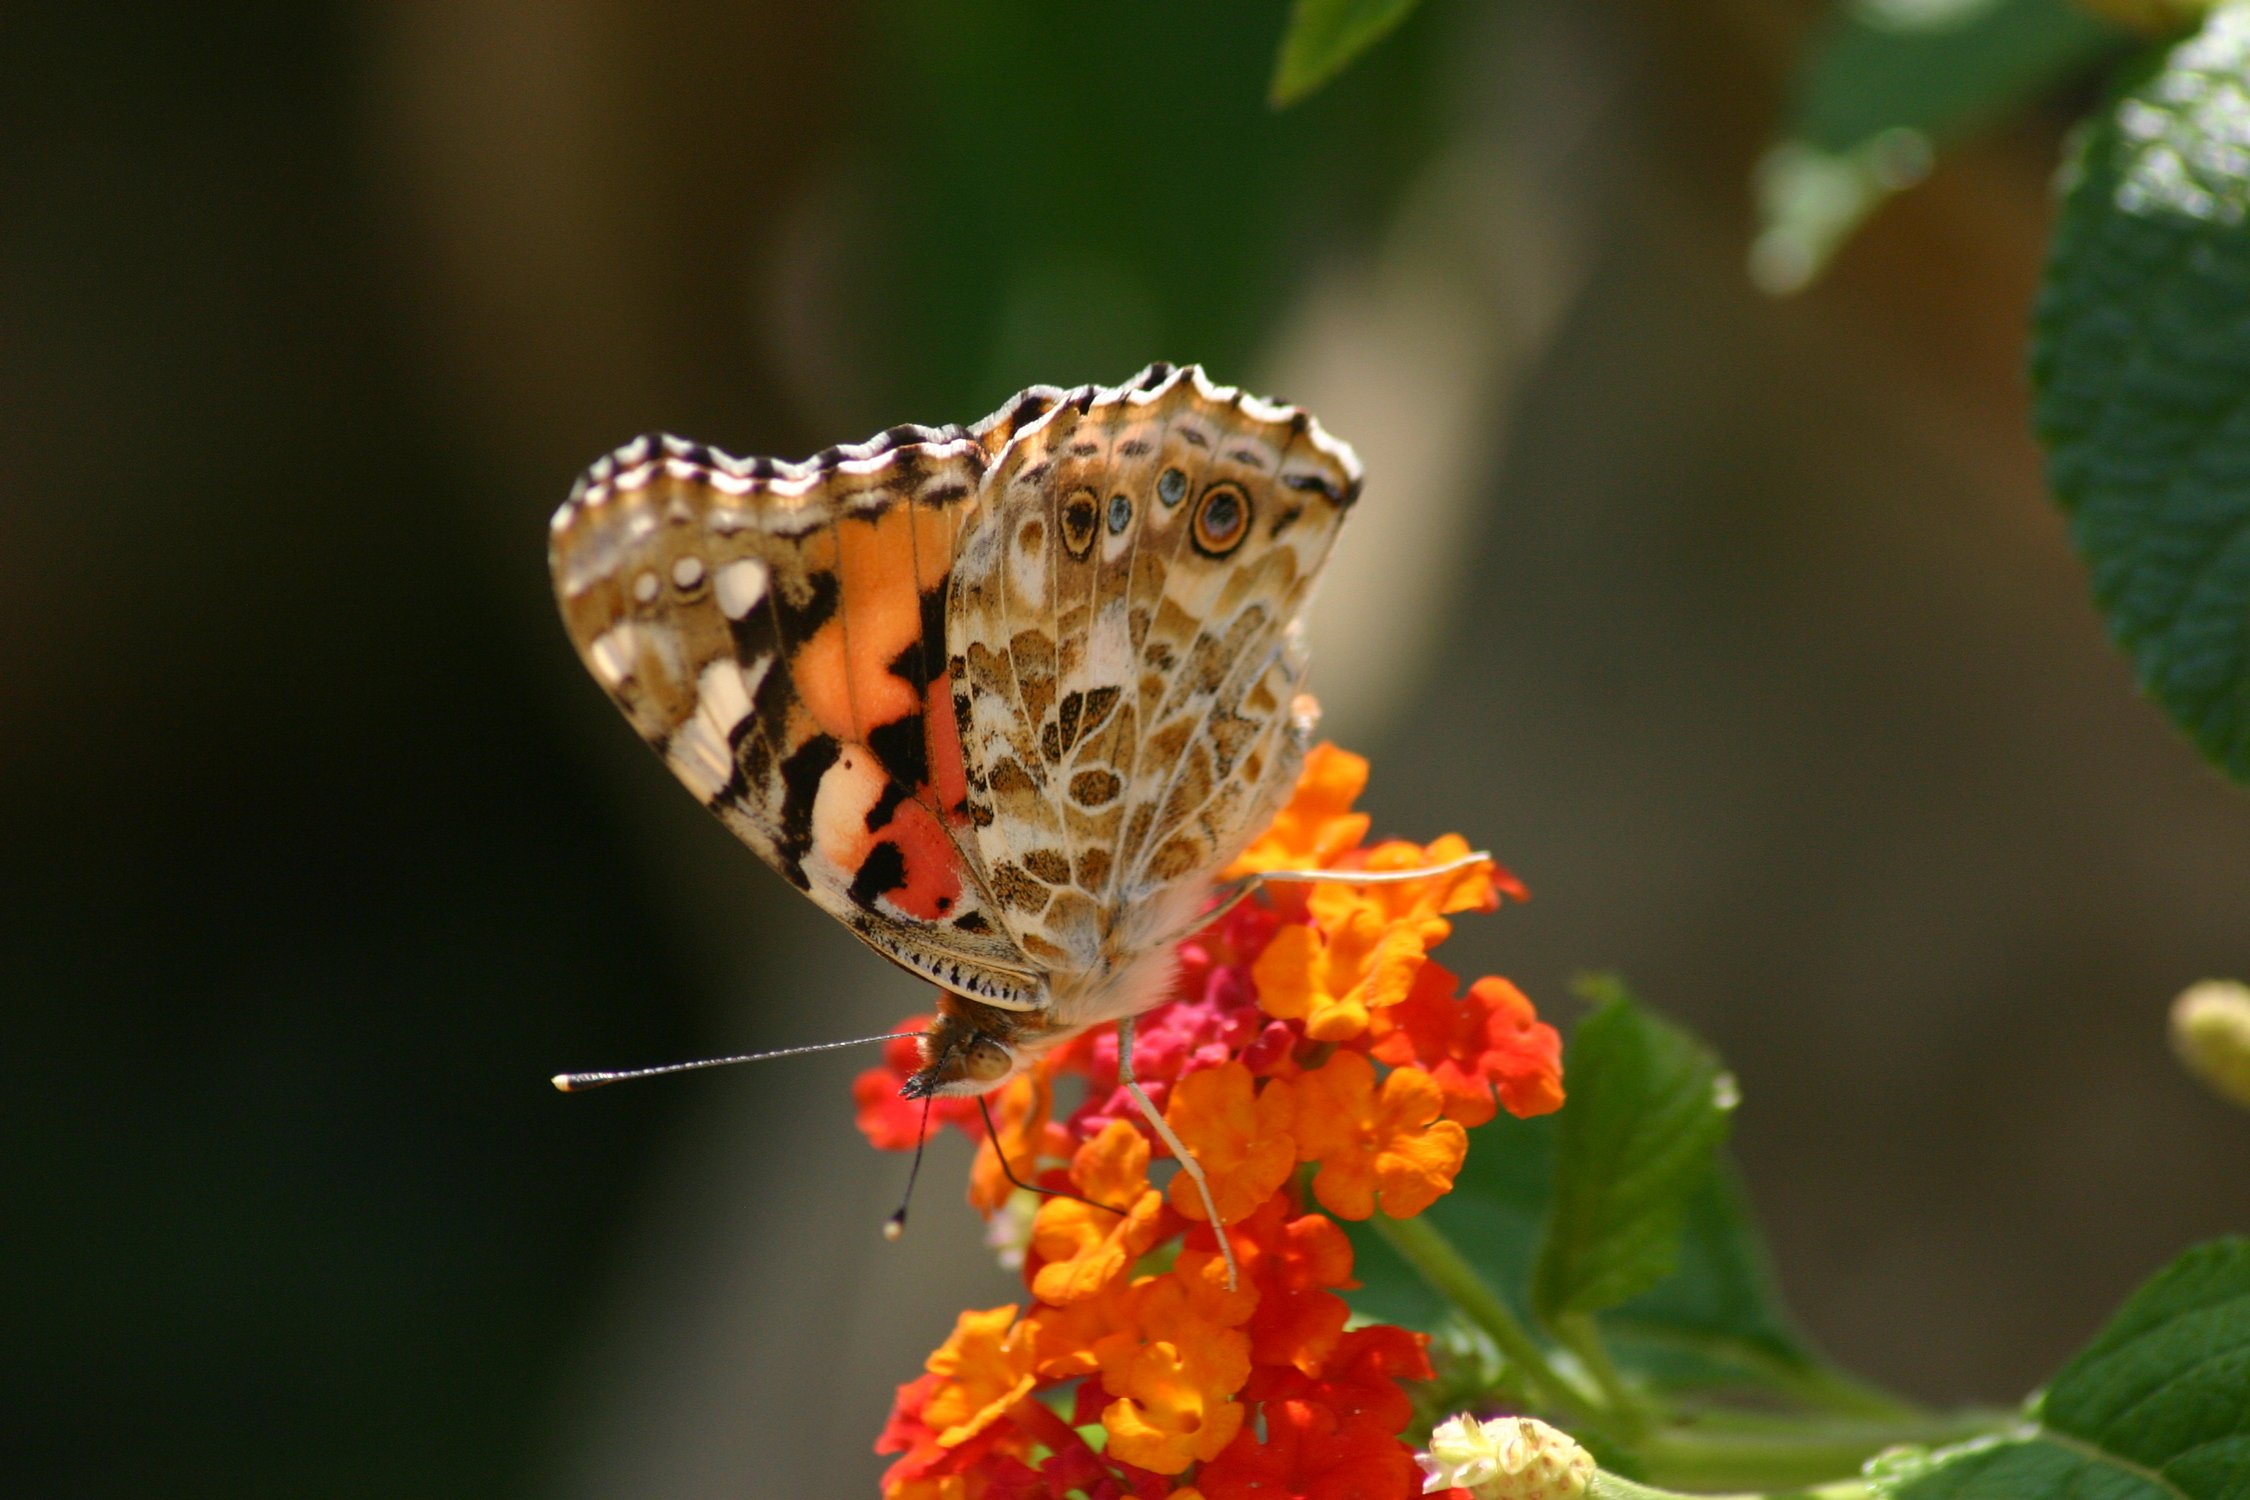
x=895 y=1225
x=1010 y=1172
x=578 y=1083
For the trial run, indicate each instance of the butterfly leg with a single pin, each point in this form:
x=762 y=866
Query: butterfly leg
x=1188 y=1163
x=1358 y=877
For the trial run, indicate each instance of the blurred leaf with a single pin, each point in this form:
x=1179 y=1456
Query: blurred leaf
x=1882 y=85
x=975 y=239
x=1323 y=38
x=2156 y=1408
x=1648 y=1107
x=2142 y=369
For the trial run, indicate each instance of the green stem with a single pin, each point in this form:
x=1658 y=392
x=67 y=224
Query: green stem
x=1431 y=1254
x=1845 y=1395
x=1779 y=1453
x=1629 y=1415
x=1610 y=1487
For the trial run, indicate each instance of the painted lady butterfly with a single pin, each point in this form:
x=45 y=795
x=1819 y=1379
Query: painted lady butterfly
x=1004 y=699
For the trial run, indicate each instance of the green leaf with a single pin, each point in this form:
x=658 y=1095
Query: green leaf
x=2156 y=1408
x=1648 y=1107
x=2141 y=361
x=1323 y=38
x=1717 y=1320
x=1884 y=84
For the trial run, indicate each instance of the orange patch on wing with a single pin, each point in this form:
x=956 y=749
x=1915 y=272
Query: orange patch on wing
x=933 y=865
x=817 y=669
x=943 y=736
x=881 y=613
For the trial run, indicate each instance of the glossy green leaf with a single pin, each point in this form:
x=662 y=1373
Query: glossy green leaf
x=1323 y=38
x=1648 y=1106
x=2142 y=368
x=2156 y=1408
x=1883 y=85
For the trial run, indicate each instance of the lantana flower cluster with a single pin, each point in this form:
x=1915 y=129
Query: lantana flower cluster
x=1312 y=1048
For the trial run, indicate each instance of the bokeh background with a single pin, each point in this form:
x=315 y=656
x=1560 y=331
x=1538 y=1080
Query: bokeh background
x=1741 y=628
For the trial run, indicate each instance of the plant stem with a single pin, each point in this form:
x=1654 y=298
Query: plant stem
x=1779 y=1452
x=1848 y=1396
x=1629 y=1415
x=1424 y=1247
x=1608 y=1486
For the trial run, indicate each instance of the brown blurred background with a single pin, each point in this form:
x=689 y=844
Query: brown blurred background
x=1742 y=630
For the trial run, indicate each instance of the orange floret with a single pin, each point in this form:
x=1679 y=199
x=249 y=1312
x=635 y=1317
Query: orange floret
x=1084 y=1246
x=1308 y=1453
x=1481 y=1047
x=1391 y=1142
x=1021 y=1109
x=1294 y=1262
x=1190 y=1308
x=1317 y=826
x=1165 y=1418
x=1366 y=944
x=1066 y=1340
x=1239 y=1134
x=984 y=1368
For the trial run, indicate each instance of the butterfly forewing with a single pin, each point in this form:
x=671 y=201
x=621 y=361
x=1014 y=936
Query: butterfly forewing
x=769 y=630
x=1122 y=627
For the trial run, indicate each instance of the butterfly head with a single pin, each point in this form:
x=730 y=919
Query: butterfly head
x=970 y=1049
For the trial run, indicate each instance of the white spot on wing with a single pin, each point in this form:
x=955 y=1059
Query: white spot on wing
x=741 y=585
x=700 y=758
x=721 y=697
x=645 y=588
x=612 y=653
x=687 y=572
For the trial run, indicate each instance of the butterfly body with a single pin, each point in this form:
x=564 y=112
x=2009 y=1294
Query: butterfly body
x=1004 y=699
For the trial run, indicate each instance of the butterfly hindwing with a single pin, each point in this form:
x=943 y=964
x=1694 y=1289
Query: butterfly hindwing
x=775 y=632
x=1124 y=656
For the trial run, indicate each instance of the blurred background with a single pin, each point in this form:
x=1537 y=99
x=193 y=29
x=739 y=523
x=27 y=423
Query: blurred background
x=1741 y=628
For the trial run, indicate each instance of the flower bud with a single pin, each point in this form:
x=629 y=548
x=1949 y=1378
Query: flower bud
x=2211 y=1033
x=1507 y=1458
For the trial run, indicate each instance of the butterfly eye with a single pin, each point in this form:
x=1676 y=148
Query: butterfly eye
x=1120 y=513
x=1171 y=487
x=1222 y=519
x=986 y=1061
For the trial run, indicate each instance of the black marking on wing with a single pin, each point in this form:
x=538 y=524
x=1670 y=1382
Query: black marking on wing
x=902 y=749
x=918 y=665
x=887 y=805
x=1155 y=375
x=800 y=784
x=800 y=621
x=883 y=870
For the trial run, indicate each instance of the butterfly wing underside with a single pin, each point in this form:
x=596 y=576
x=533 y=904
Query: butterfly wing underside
x=776 y=633
x=1125 y=660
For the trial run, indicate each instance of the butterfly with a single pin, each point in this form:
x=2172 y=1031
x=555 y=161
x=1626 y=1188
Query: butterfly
x=1005 y=699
